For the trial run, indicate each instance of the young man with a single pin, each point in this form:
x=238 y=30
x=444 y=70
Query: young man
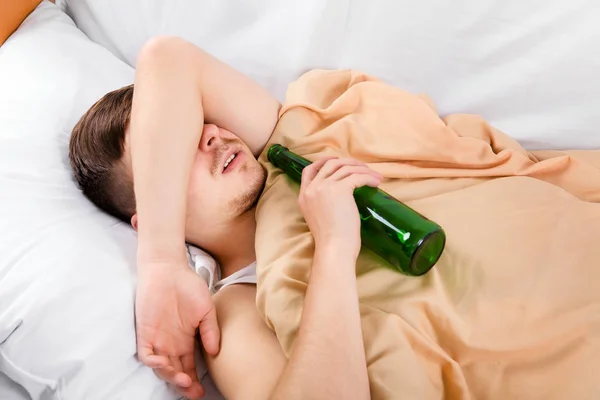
x=176 y=157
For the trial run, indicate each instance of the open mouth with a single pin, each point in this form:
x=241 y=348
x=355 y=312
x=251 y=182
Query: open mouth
x=230 y=162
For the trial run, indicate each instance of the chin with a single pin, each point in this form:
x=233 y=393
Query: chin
x=253 y=187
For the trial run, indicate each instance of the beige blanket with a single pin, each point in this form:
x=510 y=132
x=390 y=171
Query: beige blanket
x=512 y=309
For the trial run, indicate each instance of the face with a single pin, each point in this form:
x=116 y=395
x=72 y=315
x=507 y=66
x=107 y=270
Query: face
x=226 y=179
x=225 y=183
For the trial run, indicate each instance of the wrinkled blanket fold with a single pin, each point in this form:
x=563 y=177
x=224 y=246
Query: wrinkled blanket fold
x=511 y=310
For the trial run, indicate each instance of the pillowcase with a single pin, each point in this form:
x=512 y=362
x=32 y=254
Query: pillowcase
x=67 y=270
x=528 y=67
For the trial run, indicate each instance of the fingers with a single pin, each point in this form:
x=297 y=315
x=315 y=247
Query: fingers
x=360 y=180
x=181 y=374
x=195 y=391
x=147 y=357
x=191 y=389
x=326 y=167
x=181 y=378
x=173 y=377
x=189 y=367
x=341 y=169
x=347 y=170
x=210 y=335
x=309 y=173
x=188 y=363
x=332 y=166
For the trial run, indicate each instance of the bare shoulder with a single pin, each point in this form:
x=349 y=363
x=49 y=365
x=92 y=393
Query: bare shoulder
x=235 y=299
x=250 y=361
x=237 y=312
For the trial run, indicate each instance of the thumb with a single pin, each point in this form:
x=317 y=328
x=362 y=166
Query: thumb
x=210 y=334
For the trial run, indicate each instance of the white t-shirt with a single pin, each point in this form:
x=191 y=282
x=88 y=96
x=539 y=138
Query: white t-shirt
x=206 y=266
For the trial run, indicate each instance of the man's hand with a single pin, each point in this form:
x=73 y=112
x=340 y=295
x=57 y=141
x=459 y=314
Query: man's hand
x=327 y=203
x=177 y=87
x=171 y=304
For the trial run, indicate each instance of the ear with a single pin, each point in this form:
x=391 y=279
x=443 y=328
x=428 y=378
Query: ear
x=134 y=222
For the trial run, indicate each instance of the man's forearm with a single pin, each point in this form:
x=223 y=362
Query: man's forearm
x=178 y=86
x=328 y=359
x=166 y=124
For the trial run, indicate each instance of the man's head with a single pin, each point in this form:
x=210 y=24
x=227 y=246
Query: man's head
x=96 y=153
x=225 y=180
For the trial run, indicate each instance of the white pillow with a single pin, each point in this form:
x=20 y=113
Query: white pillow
x=529 y=67
x=67 y=273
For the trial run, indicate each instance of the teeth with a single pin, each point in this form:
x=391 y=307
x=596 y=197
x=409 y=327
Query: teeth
x=231 y=157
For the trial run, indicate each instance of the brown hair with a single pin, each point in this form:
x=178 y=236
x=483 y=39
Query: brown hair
x=96 y=150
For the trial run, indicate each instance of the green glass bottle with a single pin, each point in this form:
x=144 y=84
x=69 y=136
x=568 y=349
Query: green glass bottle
x=410 y=242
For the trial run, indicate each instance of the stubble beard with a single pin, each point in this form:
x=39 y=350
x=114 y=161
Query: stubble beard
x=249 y=198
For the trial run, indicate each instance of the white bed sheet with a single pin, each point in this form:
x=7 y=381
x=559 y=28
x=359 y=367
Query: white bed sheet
x=9 y=390
x=67 y=271
x=530 y=67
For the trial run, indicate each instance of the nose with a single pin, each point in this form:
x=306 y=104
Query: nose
x=210 y=137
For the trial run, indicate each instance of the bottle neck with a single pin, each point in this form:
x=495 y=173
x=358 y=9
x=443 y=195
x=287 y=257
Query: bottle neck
x=291 y=163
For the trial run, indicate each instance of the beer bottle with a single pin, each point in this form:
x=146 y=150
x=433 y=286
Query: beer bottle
x=411 y=243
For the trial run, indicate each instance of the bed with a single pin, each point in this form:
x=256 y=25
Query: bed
x=67 y=271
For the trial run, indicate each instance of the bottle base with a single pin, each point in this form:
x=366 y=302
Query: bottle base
x=428 y=253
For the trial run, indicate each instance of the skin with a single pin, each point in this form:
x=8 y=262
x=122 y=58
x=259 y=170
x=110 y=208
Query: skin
x=174 y=159
x=250 y=363
x=171 y=101
x=183 y=194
